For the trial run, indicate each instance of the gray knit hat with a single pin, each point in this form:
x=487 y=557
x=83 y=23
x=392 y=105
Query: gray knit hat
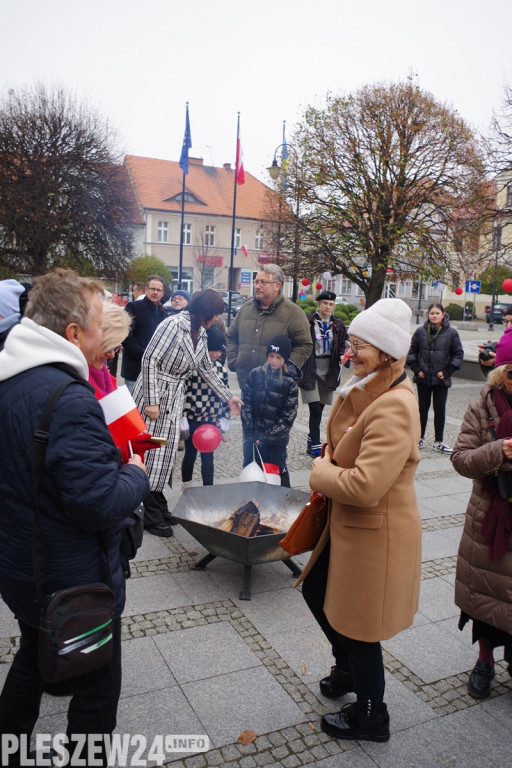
x=386 y=325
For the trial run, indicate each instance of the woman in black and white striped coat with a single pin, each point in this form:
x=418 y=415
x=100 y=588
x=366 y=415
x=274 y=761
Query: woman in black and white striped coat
x=177 y=348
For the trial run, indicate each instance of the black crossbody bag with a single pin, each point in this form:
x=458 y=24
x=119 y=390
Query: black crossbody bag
x=76 y=624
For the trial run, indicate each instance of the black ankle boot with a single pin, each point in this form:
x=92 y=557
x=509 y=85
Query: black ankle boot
x=362 y=721
x=479 y=683
x=338 y=683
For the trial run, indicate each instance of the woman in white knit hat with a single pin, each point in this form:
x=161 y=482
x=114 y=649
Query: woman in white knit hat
x=362 y=580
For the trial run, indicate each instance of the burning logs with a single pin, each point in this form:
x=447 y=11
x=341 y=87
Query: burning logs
x=245 y=521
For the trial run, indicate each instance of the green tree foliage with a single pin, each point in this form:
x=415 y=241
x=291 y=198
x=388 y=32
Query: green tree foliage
x=379 y=174
x=487 y=277
x=143 y=266
x=63 y=199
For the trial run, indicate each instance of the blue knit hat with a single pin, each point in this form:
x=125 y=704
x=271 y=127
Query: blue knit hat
x=280 y=344
x=185 y=294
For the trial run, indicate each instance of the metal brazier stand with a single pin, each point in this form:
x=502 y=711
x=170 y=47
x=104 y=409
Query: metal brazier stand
x=201 y=509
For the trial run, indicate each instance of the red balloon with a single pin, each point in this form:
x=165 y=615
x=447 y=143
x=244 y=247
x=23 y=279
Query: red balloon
x=207 y=438
x=319 y=286
x=305 y=281
x=507 y=285
x=458 y=291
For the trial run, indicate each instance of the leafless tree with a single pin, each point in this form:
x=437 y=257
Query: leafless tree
x=64 y=199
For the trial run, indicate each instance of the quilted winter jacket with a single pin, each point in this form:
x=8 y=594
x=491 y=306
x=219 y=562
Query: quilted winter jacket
x=445 y=353
x=482 y=585
x=270 y=404
x=251 y=330
x=84 y=487
x=308 y=380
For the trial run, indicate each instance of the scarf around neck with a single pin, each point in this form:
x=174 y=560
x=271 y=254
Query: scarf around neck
x=497 y=522
x=101 y=379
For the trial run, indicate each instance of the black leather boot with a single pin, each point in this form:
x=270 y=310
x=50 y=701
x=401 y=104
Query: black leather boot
x=362 y=721
x=479 y=683
x=337 y=684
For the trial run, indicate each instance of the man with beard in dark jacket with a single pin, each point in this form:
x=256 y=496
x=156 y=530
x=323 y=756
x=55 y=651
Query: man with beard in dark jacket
x=85 y=499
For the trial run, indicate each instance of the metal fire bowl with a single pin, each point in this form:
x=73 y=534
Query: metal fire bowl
x=199 y=509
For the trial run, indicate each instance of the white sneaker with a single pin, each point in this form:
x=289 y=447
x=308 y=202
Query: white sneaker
x=421 y=444
x=442 y=447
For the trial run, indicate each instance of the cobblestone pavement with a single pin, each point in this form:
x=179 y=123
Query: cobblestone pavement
x=199 y=660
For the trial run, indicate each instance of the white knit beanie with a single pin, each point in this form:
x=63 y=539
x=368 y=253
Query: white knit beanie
x=386 y=325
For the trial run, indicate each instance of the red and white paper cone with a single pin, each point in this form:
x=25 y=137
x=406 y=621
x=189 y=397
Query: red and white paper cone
x=122 y=416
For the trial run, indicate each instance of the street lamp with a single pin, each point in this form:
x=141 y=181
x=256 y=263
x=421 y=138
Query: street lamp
x=275 y=170
x=497 y=245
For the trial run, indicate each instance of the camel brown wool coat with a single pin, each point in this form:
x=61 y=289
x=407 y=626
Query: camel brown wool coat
x=482 y=585
x=374 y=527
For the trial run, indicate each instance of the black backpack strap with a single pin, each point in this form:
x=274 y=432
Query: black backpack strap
x=39 y=443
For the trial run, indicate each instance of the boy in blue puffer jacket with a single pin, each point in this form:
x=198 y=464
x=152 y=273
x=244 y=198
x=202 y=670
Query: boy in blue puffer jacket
x=270 y=396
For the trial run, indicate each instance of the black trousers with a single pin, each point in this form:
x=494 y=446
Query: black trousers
x=439 y=395
x=155 y=509
x=95 y=696
x=189 y=459
x=315 y=418
x=363 y=660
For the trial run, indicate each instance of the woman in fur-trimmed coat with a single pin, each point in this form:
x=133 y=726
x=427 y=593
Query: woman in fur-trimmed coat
x=177 y=348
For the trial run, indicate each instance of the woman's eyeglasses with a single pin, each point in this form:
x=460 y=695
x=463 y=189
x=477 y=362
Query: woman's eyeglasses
x=355 y=346
x=114 y=351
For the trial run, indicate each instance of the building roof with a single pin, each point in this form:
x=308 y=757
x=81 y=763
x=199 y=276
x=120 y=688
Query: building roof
x=158 y=182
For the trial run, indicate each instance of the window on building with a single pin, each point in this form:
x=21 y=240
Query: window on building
x=258 y=239
x=187 y=234
x=163 y=232
x=346 y=286
x=509 y=196
x=238 y=237
x=415 y=292
x=209 y=235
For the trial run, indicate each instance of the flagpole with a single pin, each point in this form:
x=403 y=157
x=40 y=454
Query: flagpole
x=187 y=143
x=180 y=265
x=233 y=225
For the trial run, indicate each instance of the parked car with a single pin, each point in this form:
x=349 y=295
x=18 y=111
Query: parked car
x=498 y=315
x=340 y=300
x=236 y=301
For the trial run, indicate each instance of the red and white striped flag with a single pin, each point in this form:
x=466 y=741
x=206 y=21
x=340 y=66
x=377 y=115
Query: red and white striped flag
x=122 y=416
x=239 y=173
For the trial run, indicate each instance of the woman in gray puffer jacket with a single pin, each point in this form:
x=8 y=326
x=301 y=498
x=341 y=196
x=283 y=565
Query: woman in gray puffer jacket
x=436 y=352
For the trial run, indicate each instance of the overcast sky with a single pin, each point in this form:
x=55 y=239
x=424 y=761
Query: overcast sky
x=139 y=62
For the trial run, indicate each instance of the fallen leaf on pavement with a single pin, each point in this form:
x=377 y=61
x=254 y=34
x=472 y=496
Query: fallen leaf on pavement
x=247 y=737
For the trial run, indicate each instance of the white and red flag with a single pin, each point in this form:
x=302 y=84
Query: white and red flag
x=239 y=173
x=122 y=416
x=244 y=250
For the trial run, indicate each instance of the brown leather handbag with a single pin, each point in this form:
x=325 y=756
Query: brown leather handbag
x=307 y=528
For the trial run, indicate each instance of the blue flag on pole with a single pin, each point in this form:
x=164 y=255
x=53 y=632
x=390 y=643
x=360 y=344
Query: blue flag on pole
x=187 y=143
x=285 y=161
